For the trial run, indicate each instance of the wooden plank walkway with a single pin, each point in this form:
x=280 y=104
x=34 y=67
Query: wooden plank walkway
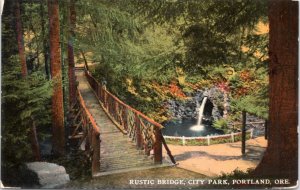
x=117 y=152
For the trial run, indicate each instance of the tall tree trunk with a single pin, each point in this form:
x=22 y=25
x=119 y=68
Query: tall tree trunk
x=58 y=131
x=281 y=156
x=71 y=71
x=20 y=39
x=45 y=42
x=34 y=141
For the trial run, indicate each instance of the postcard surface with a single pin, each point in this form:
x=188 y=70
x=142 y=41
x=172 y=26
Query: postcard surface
x=173 y=94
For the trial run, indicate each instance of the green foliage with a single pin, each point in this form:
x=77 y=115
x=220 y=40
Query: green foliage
x=24 y=101
x=235 y=82
x=148 y=59
x=257 y=43
x=203 y=38
x=239 y=138
x=174 y=141
x=212 y=31
x=250 y=92
x=221 y=124
x=123 y=45
x=196 y=142
x=220 y=141
x=251 y=104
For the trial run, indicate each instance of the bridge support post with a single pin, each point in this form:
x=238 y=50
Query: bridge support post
x=96 y=153
x=158 y=147
x=96 y=88
x=105 y=101
x=125 y=122
x=87 y=142
x=244 y=132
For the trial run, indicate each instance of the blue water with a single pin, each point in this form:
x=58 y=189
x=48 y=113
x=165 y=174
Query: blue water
x=182 y=128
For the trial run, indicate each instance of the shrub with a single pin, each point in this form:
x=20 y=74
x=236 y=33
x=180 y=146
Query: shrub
x=221 y=124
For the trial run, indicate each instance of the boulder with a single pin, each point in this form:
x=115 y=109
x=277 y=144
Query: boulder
x=187 y=109
x=44 y=175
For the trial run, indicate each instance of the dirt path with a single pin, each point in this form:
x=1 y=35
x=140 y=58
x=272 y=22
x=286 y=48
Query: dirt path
x=214 y=159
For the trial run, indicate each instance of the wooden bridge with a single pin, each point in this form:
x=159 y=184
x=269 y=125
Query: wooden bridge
x=116 y=137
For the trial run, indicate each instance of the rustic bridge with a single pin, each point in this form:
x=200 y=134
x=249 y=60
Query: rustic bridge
x=116 y=137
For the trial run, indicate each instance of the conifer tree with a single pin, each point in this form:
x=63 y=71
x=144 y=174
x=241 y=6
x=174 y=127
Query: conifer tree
x=45 y=41
x=58 y=131
x=20 y=38
x=71 y=71
x=25 y=100
x=33 y=134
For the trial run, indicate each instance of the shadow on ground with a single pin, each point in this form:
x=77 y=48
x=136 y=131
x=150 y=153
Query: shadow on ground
x=252 y=153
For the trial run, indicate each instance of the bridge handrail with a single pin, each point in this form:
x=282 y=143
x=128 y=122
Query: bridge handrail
x=126 y=105
x=142 y=132
x=91 y=134
x=90 y=117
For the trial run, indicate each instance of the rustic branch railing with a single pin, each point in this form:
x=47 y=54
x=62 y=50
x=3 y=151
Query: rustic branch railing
x=87 y=130
x=208 y=140
x=144 y=131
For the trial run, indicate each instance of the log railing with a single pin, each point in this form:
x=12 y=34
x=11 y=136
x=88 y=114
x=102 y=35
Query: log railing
x=87 y=130
x=145 y=132
x=208 y=140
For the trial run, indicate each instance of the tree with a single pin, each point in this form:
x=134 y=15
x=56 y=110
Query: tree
x=281 y=157
x=20 y=38
x=45 y=41
x=33 y=134
x=58 y=132
x=212 y=32
x=25 y=100
x=193 y=36
x=71 y=71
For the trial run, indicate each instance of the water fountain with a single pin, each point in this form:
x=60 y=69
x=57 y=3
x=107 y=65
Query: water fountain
x=195 y=126
x=199 y=126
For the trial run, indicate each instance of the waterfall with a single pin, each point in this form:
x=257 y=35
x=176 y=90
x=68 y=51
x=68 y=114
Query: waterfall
x=200 y=127
x=201 y=110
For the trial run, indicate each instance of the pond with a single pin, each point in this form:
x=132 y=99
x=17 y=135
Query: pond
x=189 y=128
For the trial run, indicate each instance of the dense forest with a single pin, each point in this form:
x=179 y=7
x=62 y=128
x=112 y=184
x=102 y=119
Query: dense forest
x=146 y=52
x=149 y=54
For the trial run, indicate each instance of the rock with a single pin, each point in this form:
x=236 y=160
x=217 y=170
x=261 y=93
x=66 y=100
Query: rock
x=44 y=175
x=188 y=108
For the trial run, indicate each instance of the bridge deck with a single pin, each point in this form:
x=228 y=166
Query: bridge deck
x=118 y=152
